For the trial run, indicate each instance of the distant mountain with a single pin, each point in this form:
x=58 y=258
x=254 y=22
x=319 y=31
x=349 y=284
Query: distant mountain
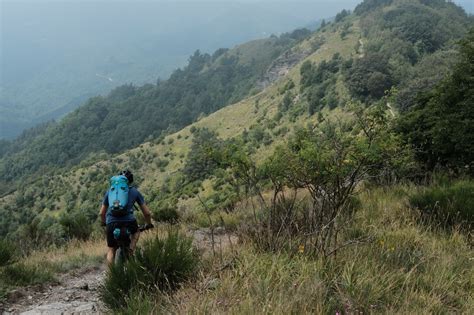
x=55 y=54
x=129 y=115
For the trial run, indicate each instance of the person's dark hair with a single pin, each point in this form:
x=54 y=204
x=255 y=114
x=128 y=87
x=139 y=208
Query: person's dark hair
x=127 y=174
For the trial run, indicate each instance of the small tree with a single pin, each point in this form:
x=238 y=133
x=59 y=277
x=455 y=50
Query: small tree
x=197 y=167
x=328 y=163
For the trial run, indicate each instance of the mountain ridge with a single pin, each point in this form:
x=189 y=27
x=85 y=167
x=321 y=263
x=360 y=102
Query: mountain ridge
x=231 y=78
x=149 y=46
x=310 y=86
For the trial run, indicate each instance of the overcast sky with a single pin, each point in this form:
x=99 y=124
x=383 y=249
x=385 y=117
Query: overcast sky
x=467 y=4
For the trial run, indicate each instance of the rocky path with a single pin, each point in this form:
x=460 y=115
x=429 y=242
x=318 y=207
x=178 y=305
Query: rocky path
x=74 y=293
x=281 y=66
x=77 y=291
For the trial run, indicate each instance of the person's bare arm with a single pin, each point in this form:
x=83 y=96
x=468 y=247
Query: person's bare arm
x=103 y=211
x=146 y=213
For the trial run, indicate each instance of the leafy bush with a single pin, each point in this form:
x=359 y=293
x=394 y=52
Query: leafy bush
x=328 y=162
x=166 y=212
x=7 y=253
x=369 y=77
x=76 y=225
x=318 y=80
x=223 y=198
x=161 y=163
x=160 y=264
x=286 y=102
x=447 y=205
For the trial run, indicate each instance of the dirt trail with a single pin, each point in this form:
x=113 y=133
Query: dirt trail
x=77 y=291
x=203 y=239
x=74 y=293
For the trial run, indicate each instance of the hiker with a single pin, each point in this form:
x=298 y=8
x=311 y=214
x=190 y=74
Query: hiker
x=117 y=211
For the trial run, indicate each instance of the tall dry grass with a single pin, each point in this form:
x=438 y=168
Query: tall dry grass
x=405 y=267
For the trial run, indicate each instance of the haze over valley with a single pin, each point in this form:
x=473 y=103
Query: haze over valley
x=57 y=54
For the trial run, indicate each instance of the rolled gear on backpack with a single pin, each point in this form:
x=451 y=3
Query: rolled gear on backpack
x=118 y=196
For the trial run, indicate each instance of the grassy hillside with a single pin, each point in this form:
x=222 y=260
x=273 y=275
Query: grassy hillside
x=81 y=187
x=403 y=267
x=262 y=116
x=398 y=257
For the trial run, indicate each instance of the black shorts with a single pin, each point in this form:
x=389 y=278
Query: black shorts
x=131 y=225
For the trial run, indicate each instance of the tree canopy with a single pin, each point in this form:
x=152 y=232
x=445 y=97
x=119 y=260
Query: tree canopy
x=440 y=126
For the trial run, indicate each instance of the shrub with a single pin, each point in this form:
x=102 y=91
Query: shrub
x=161 y=163
x=76 y=225
x=7 y=253
x=328 y=162
x=286 y=102
x=169 y=261
x=447 y=205
x=160 y=264
x=166 y=213
x=120 y=283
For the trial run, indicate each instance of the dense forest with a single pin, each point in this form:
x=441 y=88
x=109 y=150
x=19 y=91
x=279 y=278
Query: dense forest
x=440 y=124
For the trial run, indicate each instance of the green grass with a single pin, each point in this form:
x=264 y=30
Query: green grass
x=447 y=204
x=144 y=303
x=21 y=274
x=403 y=267
x=230 y=221
x=159 y=265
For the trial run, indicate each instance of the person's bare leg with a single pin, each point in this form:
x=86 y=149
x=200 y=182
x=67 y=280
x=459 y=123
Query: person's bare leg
x=110 y=255
x=133 y=241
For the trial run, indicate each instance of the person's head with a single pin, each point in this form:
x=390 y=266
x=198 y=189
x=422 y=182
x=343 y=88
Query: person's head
x=127 y=174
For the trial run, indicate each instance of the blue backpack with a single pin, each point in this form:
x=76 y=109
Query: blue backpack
x=118 y=196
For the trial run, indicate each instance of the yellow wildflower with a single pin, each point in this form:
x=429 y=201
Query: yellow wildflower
x=301 y=249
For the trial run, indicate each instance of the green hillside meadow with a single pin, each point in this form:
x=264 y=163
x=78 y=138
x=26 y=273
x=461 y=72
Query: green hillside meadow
x=329 y=173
